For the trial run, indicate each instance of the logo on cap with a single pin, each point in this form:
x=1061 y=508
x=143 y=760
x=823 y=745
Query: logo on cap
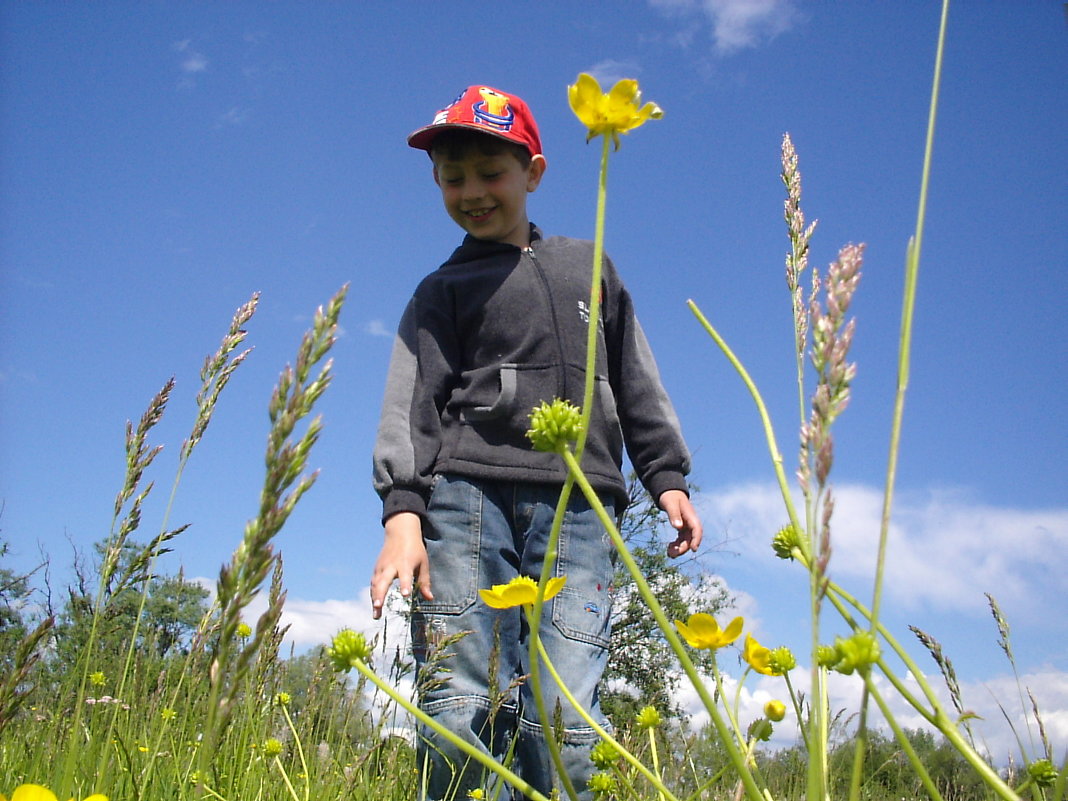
x=493 y=110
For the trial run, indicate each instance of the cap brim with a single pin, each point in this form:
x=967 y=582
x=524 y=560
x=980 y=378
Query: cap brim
x=423 y=138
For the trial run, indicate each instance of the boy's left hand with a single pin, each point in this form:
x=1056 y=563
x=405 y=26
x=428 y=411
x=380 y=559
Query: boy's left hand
x=683 y=518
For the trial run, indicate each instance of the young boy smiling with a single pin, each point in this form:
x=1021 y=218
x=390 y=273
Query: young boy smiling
x=493 y=332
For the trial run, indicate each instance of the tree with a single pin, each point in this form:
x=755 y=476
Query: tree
x=642 y=669
x=14 y=592
x=173 y=608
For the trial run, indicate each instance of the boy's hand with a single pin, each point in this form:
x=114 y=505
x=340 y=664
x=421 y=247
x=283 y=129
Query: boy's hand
x=683 y=518
x=403 y=557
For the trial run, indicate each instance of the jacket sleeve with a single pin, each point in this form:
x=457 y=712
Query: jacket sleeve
x=651 y=430
x=420 y=378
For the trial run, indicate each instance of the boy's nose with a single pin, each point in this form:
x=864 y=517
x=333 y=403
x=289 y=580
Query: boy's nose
x=473 y=190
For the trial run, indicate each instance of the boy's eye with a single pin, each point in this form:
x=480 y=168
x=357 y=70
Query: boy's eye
x=489 y=176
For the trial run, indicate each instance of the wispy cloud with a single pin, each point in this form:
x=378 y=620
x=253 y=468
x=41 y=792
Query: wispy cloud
x=611 y=70
x=377 y=328
x=734 y=24
x=236 y=115
x=191 y=63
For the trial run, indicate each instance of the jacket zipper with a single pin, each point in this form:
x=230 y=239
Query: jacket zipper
x=561 y=376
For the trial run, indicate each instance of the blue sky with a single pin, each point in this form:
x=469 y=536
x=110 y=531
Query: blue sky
x=160 y=162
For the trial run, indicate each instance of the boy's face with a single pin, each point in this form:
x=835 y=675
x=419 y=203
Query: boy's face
x=486 y=195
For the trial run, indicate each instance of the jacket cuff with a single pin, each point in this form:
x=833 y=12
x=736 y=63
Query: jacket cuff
x=665 y=480
x=403 y=500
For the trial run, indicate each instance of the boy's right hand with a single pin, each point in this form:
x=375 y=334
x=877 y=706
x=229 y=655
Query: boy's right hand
x=403 y=557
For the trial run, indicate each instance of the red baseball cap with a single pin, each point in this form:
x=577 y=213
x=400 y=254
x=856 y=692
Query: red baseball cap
x=486 y=110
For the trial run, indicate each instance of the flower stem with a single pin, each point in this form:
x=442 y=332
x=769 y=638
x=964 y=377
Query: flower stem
x=595 y=303
x=484 y=759
x=736 y=757
x=765 y=418
x=653 y=778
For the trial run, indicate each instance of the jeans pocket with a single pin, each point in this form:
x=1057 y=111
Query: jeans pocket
x=583 y=609
x=452 y=535
x=583 y=616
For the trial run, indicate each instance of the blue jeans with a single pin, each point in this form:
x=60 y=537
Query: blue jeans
x=481 y=533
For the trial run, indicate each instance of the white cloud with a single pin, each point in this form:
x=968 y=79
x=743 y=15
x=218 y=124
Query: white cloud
x=192 y=63
x=193 y=60
x=944 y=548
x=377 y=328
x=735 y=24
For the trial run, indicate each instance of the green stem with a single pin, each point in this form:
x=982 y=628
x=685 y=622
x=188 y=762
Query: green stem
x=300 y=752
x=817 y=718
x=912 y=268
x=765 y=418
x=638 y=765
x=910 y=752
x=285 y=778
x=484 y=759
x=548 y=566
x=736 y=757
x=595 y=304
x=549 y=563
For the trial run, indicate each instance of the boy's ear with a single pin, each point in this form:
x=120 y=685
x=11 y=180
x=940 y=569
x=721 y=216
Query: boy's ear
x=435 y=170
x=535 y=172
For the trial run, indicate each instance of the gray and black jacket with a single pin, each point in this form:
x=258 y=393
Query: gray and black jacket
x=492 y=333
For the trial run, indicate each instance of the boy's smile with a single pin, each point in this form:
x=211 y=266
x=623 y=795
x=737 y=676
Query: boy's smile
x=486 y=195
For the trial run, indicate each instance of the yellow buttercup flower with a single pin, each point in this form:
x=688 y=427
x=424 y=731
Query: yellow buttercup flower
x=702 y=631
x=35 y=792
x=610 y=114
x=520 y=591
x=758 y=657
x=98 y=679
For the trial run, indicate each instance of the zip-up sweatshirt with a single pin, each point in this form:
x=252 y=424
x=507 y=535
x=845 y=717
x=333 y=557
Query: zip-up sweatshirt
x=491 y=334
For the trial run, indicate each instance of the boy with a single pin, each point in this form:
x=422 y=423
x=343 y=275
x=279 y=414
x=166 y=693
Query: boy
x=467 y=502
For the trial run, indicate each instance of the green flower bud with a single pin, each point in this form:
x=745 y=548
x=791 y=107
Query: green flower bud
x=602 y=784
x=272 y=747
x=782 y=660
x=282 y=699
x=648 y=718
x=349 y=647
x=826 y=656
x=775 y=710
x=554 y=425
x=784 y=542
x=856 y=653
x=1042 y=772
x=604 y=755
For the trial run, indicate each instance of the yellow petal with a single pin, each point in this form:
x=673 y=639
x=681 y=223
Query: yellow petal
x=688 y=634
x=757 y=656
x=584 y=97
x=97 y=797
x=733 y=630
x=552 y=589
x=492 y=598
x=519 y=591
x=624 y=95
x=33 y=792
